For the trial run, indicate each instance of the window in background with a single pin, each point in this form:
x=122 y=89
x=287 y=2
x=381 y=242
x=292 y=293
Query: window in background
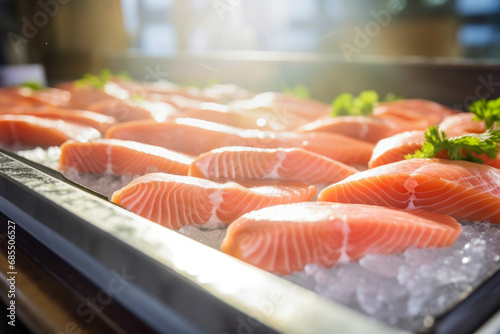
x=479 y=34
x=431 y=28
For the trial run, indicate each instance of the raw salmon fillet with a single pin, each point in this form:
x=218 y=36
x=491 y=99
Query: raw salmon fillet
x=282 y=112
x=160 y=88
x=461 y=189
x=226 y=92
x=412 y=114
x=43 y=132
x=120 y=157
x=130 y=110
x=221 y=114
x=174 y=201
x=194 y=137
x=395 y=148
x=460 y=124
x=369 y=129
x=83 y=96
x=286 y=164
x=28 y=97
x=280 y=102
x=463 y=124
x=95 y=120
x=284 y=238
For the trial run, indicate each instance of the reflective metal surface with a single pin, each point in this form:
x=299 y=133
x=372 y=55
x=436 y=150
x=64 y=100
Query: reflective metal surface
x=172 y=281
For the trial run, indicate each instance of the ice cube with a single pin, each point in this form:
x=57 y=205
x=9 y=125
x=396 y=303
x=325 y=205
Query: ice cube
x=366 y=294
x=384 y=265
x=48 y=157
x=419 y=257
x=211 y=238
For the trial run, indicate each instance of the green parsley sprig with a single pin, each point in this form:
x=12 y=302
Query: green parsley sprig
x=461 y=147
x=201 y=85
x=362 y=105
x=99 y=81
x=94 y=81
x=300 y=91
x=487 y=111
x=34 y=85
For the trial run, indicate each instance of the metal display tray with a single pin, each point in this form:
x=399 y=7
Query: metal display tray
x=180 y=285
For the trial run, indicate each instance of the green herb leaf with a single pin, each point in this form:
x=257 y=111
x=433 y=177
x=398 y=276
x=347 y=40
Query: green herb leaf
x=200 y=85
x=35 y=85
x=342 y=105
x=300 y=91
x=213 y=81
x=123 y=75
x=459 y=148
x=392 y=97
x=138 y=97
x=94 y=81
x=362 y=105
x=489 y=111
x=365 y=102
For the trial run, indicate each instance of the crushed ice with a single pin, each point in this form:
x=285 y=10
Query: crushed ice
x=105 y=184
x=403 y=289
x=211 y=238
x=48 y=157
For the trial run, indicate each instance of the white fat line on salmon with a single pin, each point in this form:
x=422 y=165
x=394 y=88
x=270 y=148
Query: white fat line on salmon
x=410 y=185
x=215 y=199
x=411 y=206
x=364 y=130
x=15 y=137
x=204 y=164
x=274 y=174
x=109 y=167
x=344 y=258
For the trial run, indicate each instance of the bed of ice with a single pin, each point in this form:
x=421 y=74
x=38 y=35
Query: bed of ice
x=48 y=157
x=402 y=290
x=104 y=184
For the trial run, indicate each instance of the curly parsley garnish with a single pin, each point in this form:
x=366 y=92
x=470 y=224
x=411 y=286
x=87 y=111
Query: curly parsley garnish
x=461 y=147
x=35 y=85
x=362 y=105
x=487 y=111
x=300 y=91
x=99 y=81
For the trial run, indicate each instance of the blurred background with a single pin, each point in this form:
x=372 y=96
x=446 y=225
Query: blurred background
x=328 y=45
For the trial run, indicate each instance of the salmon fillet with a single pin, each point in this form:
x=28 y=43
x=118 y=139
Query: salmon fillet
x=369 y=129
x=120 y=157
x=284 y=238
x=291 y=164
x=461 y=189
x=83 y=96
x=221 y=114
x=43 y=132
x=460 y=124
x=95 y=120
x=25 y=96
x=174 y=201
x=395 y=148
x=194 y=137
x=282 y=112
x=130 y=110
x=412 y=114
